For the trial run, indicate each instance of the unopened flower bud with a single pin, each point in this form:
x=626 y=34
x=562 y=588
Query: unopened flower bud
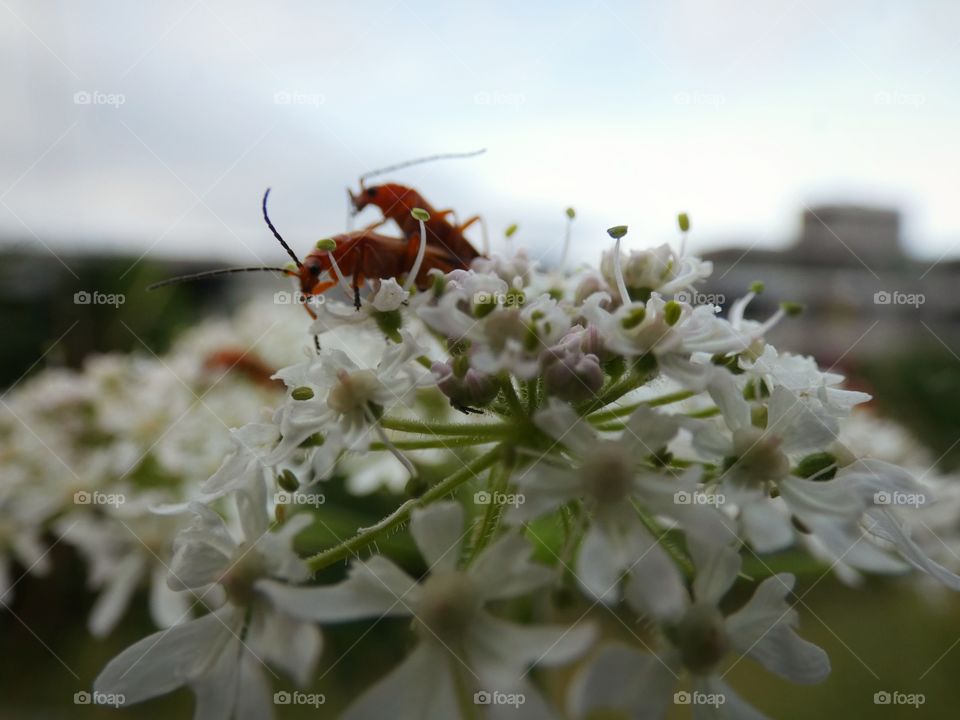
x=302 y=393
x=288 y=481
x=467 y=388
x=569 y=373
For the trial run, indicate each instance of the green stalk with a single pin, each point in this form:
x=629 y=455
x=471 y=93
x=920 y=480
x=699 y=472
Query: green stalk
x=682 y=561
x=439 y=444
x=628 y=409
x=510 y=394
x=369 y=535
x=497 y=483
x=428 y=428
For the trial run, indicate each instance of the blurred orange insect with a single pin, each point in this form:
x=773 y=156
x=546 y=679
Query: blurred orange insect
x=242 y=362
x=359 y=255
x=397 y=202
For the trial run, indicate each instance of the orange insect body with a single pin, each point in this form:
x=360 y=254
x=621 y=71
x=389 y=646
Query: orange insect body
x=243 y=362
x=396 y=202
x=366 y=254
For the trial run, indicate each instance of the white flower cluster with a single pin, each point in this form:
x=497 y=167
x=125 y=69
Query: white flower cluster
x=86 y=455
x=610 y=443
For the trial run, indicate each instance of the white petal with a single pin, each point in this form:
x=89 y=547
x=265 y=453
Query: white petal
x=763 y=629
x=289 y=644
x=500 y=652
x=252 y=511
x=717 y=569
x=505 y=569
x=824 y=497
x=196 y=565
x=559 y=421
x=438 y=531
x=420 y=687
x=373 y=588
x=845 y=541
x=254 y=701
x=621 y=678
x=647 y=430
x=600 y=565
x=766 y=527
x=161 y=662
x=217 y=689
x=889 y=528
x=113 y=601
x=655 y=586
x=167 y=607
x=545 y=488
x=728 y=397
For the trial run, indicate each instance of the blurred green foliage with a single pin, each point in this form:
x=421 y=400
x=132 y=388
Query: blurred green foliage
x=921 y=389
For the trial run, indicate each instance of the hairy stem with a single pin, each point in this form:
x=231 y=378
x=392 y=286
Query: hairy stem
x=398 y=517
x=432 y=428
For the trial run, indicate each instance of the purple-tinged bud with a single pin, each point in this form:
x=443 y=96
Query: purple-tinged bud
x=473 y=389
x=568 y=372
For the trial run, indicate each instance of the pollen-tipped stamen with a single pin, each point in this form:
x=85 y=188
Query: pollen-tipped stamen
x=421 y=215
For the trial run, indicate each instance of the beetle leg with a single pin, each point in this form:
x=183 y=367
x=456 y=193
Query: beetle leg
x=468 y=222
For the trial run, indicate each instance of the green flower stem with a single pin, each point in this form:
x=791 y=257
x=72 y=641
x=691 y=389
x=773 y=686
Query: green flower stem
x=614 y=392
x=497 y=483
x=682 y=561
x=575 y=529
x=705 y=413
x=430 y=428
x=615 y=426
x=398 y=517
x=628 y=409
x=438 y=444
x=532 y=396
x=513 y=400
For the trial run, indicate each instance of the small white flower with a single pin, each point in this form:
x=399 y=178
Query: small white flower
x=461 y=645
x=609 y=476
x=659 y=269
x=124 y=546
x=641 y=684
x=221 y=655
x=342 y=399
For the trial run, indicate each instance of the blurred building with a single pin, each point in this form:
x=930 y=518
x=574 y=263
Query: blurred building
x=862 y=293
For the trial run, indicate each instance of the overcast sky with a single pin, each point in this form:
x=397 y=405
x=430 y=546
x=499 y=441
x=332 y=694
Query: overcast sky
x=737 y=112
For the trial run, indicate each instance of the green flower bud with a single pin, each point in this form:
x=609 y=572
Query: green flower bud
x=302 y=393
x=683 y=220
x=816 y=465
x=671 y=312
x=634 y=318
x=420 y=214
x=288 y=481
x=617 y=231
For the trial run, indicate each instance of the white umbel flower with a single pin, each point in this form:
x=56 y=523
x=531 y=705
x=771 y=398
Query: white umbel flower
x=462 y=647
x=608 y=475
x=222 y=655
x=641 y=684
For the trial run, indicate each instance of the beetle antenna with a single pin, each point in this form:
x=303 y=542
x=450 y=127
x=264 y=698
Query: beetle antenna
x=215 y=273
x=283 y=242
x=420 y=161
